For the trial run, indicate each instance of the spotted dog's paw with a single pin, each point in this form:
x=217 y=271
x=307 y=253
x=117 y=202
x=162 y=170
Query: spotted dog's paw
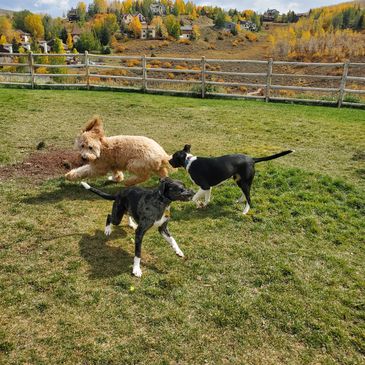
x=179 y=253
x=137 y=272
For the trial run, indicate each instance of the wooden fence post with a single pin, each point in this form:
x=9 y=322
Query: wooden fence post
x=343 y=84
x=268 y=80
x=87 y=71
x=144 y=74
x=203 y=67
x=31 y=68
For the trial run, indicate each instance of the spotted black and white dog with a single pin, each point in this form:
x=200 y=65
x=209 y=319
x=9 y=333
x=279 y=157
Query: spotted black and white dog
x=148 y=207
x=208 y=172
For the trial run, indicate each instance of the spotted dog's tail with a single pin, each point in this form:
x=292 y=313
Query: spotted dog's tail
x=98 y=192
x=261 y=159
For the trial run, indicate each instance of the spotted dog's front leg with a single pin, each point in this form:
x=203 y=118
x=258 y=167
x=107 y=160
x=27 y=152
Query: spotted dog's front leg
x=140 y=232
x=167 y=236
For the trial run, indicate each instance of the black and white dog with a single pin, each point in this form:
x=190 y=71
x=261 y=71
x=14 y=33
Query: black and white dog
x=148 y=207
x=208 y=172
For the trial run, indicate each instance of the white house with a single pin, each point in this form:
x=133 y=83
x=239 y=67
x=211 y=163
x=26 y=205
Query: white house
x=127 y=18
x=158 y=9
x=186 y=32
x=148 y=31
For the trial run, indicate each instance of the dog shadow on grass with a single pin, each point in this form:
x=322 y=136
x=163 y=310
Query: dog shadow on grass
x=215 y=210
x=68 y=191
x=108 y=260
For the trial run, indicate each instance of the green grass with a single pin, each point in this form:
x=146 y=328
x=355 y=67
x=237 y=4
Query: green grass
x=283 y=285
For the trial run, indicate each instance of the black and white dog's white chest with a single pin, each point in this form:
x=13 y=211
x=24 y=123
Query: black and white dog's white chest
x=164 y=218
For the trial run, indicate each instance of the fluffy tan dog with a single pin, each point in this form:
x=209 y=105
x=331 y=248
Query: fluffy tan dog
x=141 y=156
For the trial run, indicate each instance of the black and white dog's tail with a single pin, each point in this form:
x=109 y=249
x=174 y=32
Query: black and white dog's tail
x=98 y=192
x=268 y=158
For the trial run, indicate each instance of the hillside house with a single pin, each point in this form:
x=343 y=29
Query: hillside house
x=248 y=25
x=45 y=47
x=148 y=31
x=75 y=33
x=24 y=37
x=127 y=18
x=158 y=9
x=229 y=26
x=302 y=15
x=271 y=15
x=186 y=32
x=73 y=15
x=6 y=48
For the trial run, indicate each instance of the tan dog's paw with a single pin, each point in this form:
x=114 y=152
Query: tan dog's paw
x=71 y=175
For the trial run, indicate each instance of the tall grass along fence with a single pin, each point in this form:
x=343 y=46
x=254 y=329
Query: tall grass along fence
x=338 y=84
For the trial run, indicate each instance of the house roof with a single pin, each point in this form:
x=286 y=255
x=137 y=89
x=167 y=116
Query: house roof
x=186 y=28
x=76 y=30
x=148 y=26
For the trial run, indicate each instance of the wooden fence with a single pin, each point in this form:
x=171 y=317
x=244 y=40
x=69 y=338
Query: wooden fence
x=142 y=73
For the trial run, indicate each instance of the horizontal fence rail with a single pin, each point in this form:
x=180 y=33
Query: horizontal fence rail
x=202 y=77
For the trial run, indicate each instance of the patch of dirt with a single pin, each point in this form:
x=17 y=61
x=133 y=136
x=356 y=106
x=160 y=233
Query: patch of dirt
x=42 y=165
x=359 y=156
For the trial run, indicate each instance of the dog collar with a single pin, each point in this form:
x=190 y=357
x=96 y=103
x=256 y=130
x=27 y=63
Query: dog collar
x=188 y=161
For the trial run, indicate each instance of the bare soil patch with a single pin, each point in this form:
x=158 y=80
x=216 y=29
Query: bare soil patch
x=42 y=165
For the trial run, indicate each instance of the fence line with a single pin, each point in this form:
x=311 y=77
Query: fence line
x=91 y=71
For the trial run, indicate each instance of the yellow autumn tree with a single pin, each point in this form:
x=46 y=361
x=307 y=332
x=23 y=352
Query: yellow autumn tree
x=33 y=24
x=2 y=39
x=127 y=6
x=135 y=27
x=69 y=41
x=100 y=6
x=161 y=29
x=6 y=29
x=179 y=7
x=196 y=32
x=81 y=10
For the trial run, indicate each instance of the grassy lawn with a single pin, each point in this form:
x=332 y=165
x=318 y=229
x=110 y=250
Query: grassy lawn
x=282 y=285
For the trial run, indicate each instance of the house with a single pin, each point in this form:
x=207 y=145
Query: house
x=73 y=15
x=248 y=25
x=158 y=9
x=45 y=47
x=186 y=32
x=229 y=25
x=127 y=18
x=6 y=48
x=26 y=46
x=302 y=15
x=270 y=15
x=75 y=33
x=24 y=37
x=148 y=31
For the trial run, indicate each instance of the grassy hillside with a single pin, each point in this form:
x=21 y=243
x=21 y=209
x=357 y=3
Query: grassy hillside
x=283 y=285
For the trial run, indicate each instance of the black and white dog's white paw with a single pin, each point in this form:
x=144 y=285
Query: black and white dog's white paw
x=137 y=268
x=108 y=230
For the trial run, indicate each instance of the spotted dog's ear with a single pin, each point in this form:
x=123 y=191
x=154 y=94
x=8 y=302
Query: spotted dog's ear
x=187 y=148
x=162 y=187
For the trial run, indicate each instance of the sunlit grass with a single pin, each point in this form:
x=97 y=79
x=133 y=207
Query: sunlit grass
x=284 y=284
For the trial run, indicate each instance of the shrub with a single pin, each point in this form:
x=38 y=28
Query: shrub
x=251 y=37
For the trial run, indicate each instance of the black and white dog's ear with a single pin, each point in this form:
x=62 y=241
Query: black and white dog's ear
x=187 y=148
